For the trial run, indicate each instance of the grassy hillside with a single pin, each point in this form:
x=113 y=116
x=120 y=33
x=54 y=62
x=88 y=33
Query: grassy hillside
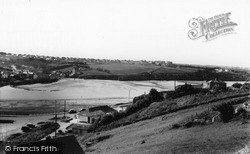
x=125 y=69
x=150 y=130
x=155 y=136
x=116 y=69
x=144 y=107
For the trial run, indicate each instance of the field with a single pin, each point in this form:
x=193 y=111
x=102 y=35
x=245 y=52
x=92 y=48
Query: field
x=129 y=69
x=125 y=69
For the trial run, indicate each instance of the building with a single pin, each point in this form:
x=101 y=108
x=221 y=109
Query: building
x=5 y=74
x=91 y=114
x=216 y=84
x=121 y=106
x=195 y=85
x=35 y=76
x=79 y=129
x=75 y=71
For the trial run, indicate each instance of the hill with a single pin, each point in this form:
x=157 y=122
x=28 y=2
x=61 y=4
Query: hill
x=22 y=67
x=165 y=127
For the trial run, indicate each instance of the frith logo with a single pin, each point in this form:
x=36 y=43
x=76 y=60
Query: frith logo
x=210 y=28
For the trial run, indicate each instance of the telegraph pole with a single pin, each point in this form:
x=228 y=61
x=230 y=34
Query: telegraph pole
x=1 y=132
x=129 y=95
x=55 y=117
x=64 y=109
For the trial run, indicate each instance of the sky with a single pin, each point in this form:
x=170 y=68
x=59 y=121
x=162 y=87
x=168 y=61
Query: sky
x=124 y=29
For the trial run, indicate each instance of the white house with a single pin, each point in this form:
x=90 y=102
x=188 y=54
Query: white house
x=91 y=114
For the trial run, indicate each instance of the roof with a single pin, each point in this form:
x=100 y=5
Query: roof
x=65 y=145
x=104 y=108
x=80 y=127
x=122 y=104
x=77 y=126
x=216 y=81
x=98 y=110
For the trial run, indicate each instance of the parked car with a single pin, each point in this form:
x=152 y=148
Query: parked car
x=72 y=111
x=31 y=125
x=68 y=131
x=82 y=109
x=26 y=129
x=60 y=132
x=41 y=123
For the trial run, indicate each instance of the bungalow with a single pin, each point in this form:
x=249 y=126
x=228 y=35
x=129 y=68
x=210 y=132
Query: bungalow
x=79 y=129
x=193 y=84
x=91 y=114
x=216 y=84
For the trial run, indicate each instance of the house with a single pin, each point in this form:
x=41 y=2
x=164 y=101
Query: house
x=195 y=85
x=79 y=129
x=216 y=84
x=121 y=106
x=35 y=76
x=5 y=74
x=89 y=115
x=62 y=145
x=75 y=70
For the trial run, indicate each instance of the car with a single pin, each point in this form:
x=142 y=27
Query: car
x=72 y=111
x=82 y=109
x=41 y=123
x=60 y=132
x=26 y=129
x=68 y=131
x=31 y=125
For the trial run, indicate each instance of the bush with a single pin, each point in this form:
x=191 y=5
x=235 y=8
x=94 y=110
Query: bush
x=175 y=126
x=237 y=85
x=246 y=86
x=155 y=95
x=138 y=98
x=226 y=111
x=106 y=119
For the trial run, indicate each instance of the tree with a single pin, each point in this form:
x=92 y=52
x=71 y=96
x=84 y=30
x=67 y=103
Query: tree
x=237 y=85
x=226 y=111
x=155 y=95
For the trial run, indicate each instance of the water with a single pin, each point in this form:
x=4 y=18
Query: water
x=95 y=91
x=99 y=90
x=77 y=91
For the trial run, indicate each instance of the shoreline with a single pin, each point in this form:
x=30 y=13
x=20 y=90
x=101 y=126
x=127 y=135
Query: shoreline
x=47 y=81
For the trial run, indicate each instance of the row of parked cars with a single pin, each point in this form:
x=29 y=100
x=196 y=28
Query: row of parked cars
x=28 y=127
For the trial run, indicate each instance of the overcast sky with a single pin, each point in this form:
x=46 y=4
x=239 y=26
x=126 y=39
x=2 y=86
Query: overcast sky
x=124 y=29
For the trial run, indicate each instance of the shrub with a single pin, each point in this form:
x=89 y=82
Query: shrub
x=155 y=95
x=237 y=85
x=138 y=98
x=226 y=111
x=106 y=119
x=246 y=86
x=175 y=126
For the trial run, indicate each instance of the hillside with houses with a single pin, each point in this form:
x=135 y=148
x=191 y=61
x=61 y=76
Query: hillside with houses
x=16 y=69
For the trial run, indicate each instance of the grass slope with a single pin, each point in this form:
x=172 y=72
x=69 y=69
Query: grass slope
x=125 y=69
x=155 y=136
